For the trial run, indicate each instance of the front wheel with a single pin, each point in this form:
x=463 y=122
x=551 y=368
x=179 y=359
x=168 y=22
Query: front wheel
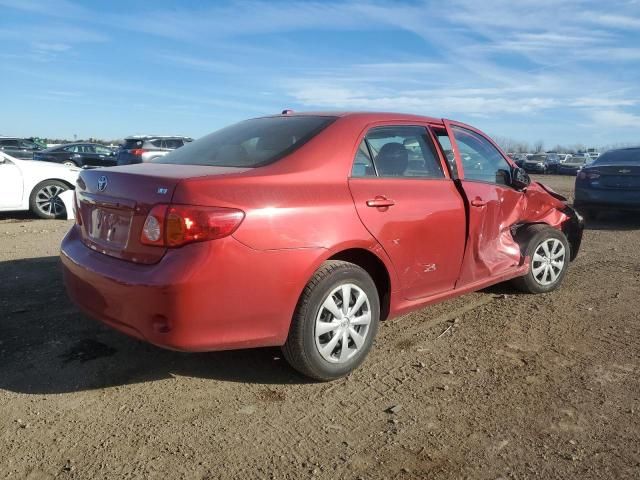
x=549 y=253
x=45 y=199
x=335 y=322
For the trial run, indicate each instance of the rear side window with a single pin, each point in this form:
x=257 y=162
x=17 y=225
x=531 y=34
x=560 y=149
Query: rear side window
x=251 y=143
x=398 y=151
x=9 y=143
x=172 y=143
x=363 y=165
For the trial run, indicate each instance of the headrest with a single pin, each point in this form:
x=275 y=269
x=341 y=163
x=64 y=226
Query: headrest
x=392 y=159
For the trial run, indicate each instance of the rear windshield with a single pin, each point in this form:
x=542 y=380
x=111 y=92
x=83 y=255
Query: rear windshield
x=619 y=156
x=131 y=143
x=251 y=143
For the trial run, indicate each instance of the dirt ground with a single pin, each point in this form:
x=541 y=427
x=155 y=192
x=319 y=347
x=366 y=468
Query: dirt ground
x=518 y=387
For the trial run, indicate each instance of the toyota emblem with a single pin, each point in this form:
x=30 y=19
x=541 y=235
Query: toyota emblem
x=102 y=183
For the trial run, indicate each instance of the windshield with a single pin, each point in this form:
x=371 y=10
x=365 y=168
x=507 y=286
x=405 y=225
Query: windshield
x=537 y=158
x=619 y=156
x=251 y=143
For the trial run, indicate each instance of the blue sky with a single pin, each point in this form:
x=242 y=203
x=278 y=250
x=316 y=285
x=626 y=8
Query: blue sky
x=562 y=71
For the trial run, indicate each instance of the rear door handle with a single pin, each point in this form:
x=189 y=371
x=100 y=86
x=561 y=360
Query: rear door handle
x=380 y=202
x=478 y=202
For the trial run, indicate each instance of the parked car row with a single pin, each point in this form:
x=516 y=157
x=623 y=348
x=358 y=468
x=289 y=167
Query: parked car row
x=551 y=162
x=135 y=149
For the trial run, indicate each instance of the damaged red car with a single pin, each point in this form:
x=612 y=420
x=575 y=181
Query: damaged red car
x=306 y=230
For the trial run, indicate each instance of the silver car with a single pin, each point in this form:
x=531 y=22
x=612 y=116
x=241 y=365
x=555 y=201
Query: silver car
x=144 y=148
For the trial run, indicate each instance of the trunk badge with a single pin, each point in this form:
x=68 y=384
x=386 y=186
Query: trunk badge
x=624 y=170
x=162 y=190
x=102 y=183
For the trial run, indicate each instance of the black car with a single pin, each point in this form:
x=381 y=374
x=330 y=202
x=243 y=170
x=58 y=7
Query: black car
x=542 y=163
x=79 y=155
x=20 y=148
x=611 y=182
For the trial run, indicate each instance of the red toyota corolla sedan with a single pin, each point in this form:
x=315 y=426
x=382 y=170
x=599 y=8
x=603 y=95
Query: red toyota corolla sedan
x=306 y=230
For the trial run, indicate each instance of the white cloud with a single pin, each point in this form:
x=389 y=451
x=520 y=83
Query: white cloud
x=615 y=119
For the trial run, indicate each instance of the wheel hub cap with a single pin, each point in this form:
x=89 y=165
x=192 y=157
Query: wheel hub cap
x=342 y=323
x=548 y=261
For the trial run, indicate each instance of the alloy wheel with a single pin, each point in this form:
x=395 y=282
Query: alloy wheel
x=48 y=200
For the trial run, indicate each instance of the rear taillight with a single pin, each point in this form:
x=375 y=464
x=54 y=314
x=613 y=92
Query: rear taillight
x=591 y=175
x=76 y=209
x=137 y=152
x=176 y=225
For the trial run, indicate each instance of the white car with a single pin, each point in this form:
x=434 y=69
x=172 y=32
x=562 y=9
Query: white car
x=35 y=186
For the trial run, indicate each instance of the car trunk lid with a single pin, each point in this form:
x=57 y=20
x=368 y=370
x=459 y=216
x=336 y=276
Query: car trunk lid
x=616 y=177
x=113 y=205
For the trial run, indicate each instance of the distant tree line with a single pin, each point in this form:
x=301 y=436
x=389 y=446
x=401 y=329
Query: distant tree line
x=515 y=146
x=82 y=140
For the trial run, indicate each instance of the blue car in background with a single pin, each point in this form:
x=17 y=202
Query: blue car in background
x=612 y=182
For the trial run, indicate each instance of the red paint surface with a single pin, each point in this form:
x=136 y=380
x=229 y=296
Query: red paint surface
x=241 y=291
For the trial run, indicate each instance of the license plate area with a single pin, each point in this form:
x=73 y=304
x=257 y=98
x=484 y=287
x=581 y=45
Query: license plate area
x=109 y=227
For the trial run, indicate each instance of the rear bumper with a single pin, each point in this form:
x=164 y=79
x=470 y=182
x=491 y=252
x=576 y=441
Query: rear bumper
x=205 y=296
x=614 y=199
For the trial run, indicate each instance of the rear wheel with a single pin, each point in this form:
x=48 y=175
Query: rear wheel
x=335 y=322
x=45 y=199
x=69 y=163
x=549 y=253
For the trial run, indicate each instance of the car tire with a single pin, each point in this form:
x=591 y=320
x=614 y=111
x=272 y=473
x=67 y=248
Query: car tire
x=549 y=253
x=70 y=163
x=319 y=354
x=45 y=202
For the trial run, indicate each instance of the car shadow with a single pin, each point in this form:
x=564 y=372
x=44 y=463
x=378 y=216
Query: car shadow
x=15 y=217
x=614 y=221
x=47 y=346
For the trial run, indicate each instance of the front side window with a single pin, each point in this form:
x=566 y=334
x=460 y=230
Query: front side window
x=480 y=159
x=8 y=143
x=398 y=151
x=252 y=143
x=447 y=149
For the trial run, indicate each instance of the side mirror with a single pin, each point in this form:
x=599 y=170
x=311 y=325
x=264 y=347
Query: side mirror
x=519 y=178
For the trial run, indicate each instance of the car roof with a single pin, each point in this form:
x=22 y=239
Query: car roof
x=364 y=116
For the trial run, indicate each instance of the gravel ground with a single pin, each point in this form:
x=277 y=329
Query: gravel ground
x=519 y=387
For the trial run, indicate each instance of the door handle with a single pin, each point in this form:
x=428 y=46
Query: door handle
x=380 y=202
x=478 y=202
